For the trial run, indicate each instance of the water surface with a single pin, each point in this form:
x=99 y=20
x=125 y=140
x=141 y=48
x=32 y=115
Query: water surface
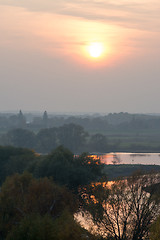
x=130 y=158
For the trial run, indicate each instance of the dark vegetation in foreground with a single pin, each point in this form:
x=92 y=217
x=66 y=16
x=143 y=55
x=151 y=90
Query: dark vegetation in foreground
x=40 y=195
x=93 y=133
x=41 y=204
x=38 y=209
x=61 y=164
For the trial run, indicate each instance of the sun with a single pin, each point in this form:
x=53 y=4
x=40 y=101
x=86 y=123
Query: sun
x=95 y=49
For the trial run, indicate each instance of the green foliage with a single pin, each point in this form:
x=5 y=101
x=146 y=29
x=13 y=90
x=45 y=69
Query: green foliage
x=87 y=168
x=22 y=195
x=33 y=227
x=57 y=164
x=155 y=230
x=46 y=140
x=61 y=164
x=72 y=137
x=37 y=227
x=32 y=209
x=65 y=228
x=69 y=170
x=14 y=160
x=98 y=143
x=20 y=138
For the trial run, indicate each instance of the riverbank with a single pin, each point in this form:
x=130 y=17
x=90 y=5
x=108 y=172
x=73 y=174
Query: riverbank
x=124 y=170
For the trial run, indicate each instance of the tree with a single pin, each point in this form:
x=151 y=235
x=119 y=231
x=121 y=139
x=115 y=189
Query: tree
x=17 y=121
x=72 y=137
x=46 y=140
x=20 y=138
x=124 y=210
x=36 y=227
x=87 y=169
x=45 y=119
x=22 y=195
x=20 y=162
x=98 y=143
x=57 y=165
x=66 y=228
x=69 y=170
x=33 y=227
x=15 y=160
x=21 y=120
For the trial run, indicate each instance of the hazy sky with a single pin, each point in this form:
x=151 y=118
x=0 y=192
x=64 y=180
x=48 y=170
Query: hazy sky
x=45 y=63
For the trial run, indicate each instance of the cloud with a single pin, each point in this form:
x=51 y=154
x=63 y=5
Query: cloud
x=143 y=15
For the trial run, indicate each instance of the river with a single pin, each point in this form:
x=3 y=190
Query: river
x=129 y=158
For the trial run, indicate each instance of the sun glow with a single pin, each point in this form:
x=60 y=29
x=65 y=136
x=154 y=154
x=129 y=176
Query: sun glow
x=95 y=49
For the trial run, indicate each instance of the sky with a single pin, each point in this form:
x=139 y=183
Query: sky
x=46 y=64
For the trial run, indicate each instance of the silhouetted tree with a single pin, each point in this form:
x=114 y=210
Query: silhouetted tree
x=98 y=143
x=45 y=119
x=72 y=137
x=21 y=120
x=14 y=160
x=66 y=169
x=20 y=138
x=46 y=140
x=123 y=210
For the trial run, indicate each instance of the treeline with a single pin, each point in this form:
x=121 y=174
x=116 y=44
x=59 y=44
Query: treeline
x=122 y=132
x=75 y=138
x=61 y=164
x=111 y=121
x=71 y=136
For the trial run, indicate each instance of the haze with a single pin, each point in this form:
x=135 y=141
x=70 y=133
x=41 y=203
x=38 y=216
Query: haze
x=44 y=63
